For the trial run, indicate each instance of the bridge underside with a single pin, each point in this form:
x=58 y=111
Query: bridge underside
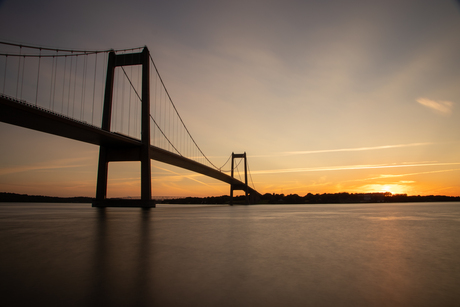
x=121 y=147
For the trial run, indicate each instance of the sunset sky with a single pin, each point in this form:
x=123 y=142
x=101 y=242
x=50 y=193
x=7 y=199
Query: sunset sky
x=323 y=96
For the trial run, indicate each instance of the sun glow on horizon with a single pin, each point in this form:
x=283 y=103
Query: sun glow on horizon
x=387 y=188
x=393 y=188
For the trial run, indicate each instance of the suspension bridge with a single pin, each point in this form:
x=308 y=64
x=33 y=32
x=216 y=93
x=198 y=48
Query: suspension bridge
x=115 y=99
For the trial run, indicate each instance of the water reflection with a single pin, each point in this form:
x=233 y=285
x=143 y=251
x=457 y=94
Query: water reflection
x=122 y=261
x=144 y=256
x=100 y=288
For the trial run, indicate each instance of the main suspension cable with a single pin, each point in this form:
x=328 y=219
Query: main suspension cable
x=238 y=171
x=250 y=176
x=164 y=135
x=174 y=106
x=225 y=163
x=75 y=52
x=149 y=114
x=238 y=164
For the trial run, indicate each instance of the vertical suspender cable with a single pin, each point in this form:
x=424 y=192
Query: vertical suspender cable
x=250 y=176
x=38 y=76
x=174 y=130
x=22 y=77
x=154 y=108
x=70 y=82
x=54 y=81
x=157 y=135
x=122 y=100
x=166 y=122
x=157 y=106
x=74 y=87
x=51 y=83
x=167 y=117
x=19 y=69
x=129 y=101
x=63 y=84
x=83 y=88
x=114 y=100
x=169 y=122
x=136 y=108
x=160 y=115
x=163 y=122
x=104 y=76
x=4 y=74
x=94 y=89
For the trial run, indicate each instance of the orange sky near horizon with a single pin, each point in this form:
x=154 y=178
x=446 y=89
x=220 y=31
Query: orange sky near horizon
x=345 y=96
x=69 y=168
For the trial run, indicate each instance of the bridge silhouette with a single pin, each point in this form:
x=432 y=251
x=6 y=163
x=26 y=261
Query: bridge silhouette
x=115 y=99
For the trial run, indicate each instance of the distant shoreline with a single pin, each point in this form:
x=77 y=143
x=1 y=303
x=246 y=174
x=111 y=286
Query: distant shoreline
x=17 y=198
x=326 y=198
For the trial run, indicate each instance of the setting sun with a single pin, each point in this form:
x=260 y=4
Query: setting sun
x=387 y=188
x=393 y=188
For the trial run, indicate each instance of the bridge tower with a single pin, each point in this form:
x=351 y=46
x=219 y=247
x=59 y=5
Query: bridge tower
x=239 y=186
x=109 y=153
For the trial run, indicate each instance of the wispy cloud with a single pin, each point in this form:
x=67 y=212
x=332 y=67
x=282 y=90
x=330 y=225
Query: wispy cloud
x=59 y=164
x=351 y=167
x=307 y=152
x=385 y=177
x=355 y=149
x=441 y=107
x=190 y=177
x=414 y=174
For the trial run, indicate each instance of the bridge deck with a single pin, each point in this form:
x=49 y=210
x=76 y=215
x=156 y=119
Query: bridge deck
x=29 y=116
x=25 y=115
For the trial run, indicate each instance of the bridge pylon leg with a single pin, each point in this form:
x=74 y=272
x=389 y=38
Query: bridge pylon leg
x=102 y=174
x=140 y=153
x=238 y=186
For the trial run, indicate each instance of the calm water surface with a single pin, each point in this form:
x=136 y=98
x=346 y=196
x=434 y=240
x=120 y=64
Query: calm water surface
x=181 y=255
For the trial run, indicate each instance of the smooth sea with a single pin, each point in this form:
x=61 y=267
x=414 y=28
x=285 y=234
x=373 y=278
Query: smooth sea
x=404 y=254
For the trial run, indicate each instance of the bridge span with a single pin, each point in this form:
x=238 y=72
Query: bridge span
x=125 y=148
x=60 y=92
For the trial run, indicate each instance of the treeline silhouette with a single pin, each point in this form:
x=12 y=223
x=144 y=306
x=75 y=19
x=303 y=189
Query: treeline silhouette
x=18 y=198
x=326 y=198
